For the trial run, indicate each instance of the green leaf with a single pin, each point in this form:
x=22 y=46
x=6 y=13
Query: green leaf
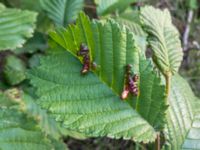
x=46 y=123
x=151 y=103
x=62 y=12
x=37 y=43
x=85 y=104
x=183 y=116
x=14 y=70
x=26 y=4
x=18 y=132
x=34 y=60
x=15 y=27
x=2 y=6
x=193 y=139
x=163 y=39
x=131 y=20
x=43 y=23
x=19 y=125
x=113 y=47
x=26 y=104
x=105 y=7
x=4 y=100
x=132 y=26
x=192 y=4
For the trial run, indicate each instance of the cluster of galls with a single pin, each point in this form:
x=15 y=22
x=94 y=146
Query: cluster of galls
x=84 y=52
x=87 y=64
x=131 y=83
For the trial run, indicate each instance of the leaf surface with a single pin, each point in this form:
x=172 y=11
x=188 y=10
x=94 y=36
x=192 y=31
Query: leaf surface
x=19 y=126
x=112 y=47
x=15 y=27
x=62 y=12
x=151 y=103
x=84 y=103
x=14 y=135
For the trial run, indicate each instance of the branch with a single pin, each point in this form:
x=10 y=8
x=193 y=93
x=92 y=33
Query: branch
x=187 y=30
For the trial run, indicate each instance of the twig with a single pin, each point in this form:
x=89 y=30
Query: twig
x=187 y=30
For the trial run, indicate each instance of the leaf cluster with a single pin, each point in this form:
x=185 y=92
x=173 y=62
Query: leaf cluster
x=52 y=99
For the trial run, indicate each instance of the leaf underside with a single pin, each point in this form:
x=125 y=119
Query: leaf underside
x=163 y=39
x=183 y=116
x=192 y=140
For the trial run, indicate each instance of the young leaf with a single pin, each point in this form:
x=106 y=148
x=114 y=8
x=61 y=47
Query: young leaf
x=108 y=6
x=85 y=104
x=183 y=116
x=62 y=12
x=15 y=26
x=163 y=39
x=113 y=47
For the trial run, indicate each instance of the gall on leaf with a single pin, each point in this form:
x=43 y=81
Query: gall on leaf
x=130 y=84
x=84 y=53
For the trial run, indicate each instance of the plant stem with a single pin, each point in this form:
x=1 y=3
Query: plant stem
x=168 y=84
x=137 y=146
x=158 y=142
x=90 y=7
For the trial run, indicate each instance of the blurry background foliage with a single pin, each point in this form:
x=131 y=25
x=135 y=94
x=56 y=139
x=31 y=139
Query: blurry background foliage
x=185 y=14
